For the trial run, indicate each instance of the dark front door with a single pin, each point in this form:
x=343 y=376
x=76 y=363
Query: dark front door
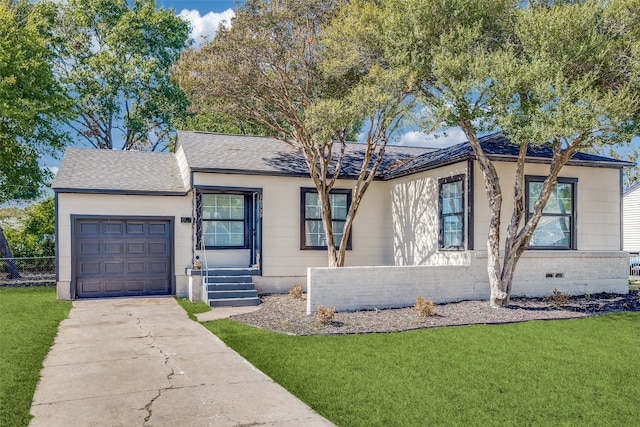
x=122 y=257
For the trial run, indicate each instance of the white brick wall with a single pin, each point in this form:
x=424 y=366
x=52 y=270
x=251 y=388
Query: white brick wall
x=358 y=288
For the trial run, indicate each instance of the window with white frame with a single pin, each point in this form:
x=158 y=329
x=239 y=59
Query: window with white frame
x=223 y=221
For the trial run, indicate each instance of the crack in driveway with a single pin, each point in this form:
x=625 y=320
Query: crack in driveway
x=149 y=405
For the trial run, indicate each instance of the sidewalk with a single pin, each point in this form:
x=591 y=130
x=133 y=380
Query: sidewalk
x=143 y=362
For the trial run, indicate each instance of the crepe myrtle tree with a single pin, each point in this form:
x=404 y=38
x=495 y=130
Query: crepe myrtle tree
x=270 y=68
x=556 y=74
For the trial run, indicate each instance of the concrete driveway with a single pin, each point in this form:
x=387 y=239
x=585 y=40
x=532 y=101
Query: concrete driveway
x=143 y=362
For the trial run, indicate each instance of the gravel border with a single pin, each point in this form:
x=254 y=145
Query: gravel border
x=285 y=314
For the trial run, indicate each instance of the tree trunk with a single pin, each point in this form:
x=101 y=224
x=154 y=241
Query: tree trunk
x=9 y=263
x=494 y=196
x=327 y=222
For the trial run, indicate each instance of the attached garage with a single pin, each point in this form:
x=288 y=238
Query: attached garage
x=123 y=224
x=116 y=257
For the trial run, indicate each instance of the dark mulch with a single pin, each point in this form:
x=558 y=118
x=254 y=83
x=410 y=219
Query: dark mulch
x=282 y=313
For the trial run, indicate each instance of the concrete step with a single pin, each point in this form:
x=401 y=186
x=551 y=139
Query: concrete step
x=229 y=286
x=232 y=294
x=234 y=302
x=232 y=271
x=228 y=279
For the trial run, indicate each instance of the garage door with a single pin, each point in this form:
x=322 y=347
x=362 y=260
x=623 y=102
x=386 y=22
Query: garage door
x=122 y=257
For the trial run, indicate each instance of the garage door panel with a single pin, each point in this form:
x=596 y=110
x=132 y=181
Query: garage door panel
x=90 y=267
x=158 y=229
x=89 y=248
x=135 y=286
x=158 y=247
x=135 y=228
x=122 y=257
x=161 y=267
x=89 y=228
x=112 y=228
x=89 y=287
x=136 y=248
x=114 y=286
x=113 y=248
x=111 y=267
x=134 y=267
x=156 y=286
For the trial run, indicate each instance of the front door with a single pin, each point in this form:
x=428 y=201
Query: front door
x=230 y=228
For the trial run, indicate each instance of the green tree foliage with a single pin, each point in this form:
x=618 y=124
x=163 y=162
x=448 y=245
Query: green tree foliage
x=561 y=74
x=220 y=123
x=32 y=103
x=34 y=234
x=270 y=69
x=114 y=61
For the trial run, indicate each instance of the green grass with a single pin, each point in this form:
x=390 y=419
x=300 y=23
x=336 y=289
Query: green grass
x=29 y=319
x=193 y=308
x=580 y=372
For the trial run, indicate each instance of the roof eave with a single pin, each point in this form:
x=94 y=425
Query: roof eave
x=547 y=160
x=118 y=192
x=267 y=173
x=431 y=166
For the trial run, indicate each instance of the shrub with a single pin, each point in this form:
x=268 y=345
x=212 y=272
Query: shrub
x=325 y=315
x=296 y=291
x=558 y=298
x=424 y=307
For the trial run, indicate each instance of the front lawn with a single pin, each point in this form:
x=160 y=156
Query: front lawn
x=569 y=372
x=29 y=319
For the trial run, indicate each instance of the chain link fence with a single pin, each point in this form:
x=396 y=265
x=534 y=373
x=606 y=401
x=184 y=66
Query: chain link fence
x=28 y=271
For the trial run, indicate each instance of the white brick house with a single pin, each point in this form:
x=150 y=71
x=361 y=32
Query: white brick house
x=134 y=223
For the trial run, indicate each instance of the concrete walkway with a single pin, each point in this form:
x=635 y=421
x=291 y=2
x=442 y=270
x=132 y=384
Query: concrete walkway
x=142 y=362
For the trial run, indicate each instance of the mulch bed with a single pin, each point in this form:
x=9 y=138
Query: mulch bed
x=285 y=314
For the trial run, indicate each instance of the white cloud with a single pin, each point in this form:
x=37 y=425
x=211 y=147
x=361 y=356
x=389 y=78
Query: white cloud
x=434 y=140
x=53 y=169
x=204 y=27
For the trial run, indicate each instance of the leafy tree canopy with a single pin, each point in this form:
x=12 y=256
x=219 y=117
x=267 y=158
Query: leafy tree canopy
x=114 y=61
x=32 y=104
x=33 y=236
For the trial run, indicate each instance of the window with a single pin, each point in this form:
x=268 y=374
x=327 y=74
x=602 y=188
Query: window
x=451 y=212
x=223 y=218
x=312 y=234
x=556 y=229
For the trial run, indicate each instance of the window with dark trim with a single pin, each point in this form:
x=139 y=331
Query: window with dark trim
x=222 y=221
x=312 y=235
x=451 y=213
x=557 y=226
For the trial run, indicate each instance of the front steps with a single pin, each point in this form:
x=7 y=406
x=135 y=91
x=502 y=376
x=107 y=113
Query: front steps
x=230 y=287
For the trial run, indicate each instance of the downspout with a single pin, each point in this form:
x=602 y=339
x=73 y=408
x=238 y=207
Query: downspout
x=621 y=209
x=470 y=203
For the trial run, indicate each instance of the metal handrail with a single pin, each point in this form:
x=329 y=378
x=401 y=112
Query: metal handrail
x=205 y=265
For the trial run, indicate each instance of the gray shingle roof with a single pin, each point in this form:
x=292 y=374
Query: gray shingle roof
x=138 y=172
x=126 y=172
x=496 y=146
x=210 y=152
